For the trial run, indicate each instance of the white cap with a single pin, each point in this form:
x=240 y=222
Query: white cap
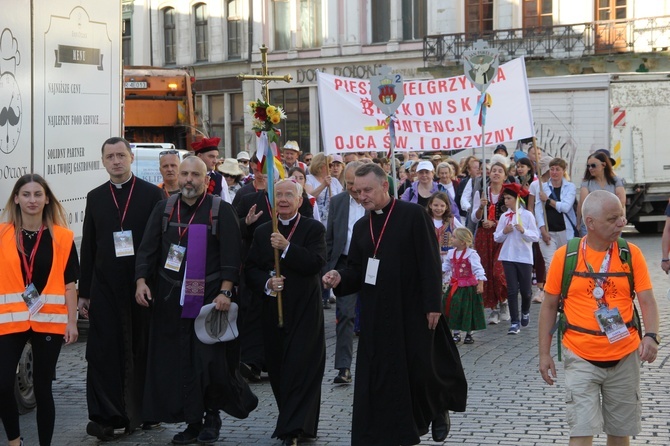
x=244 y=156
x=212 y=326
x=425 y=165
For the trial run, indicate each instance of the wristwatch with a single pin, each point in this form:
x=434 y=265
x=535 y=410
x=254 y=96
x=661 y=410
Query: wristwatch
x=226 y=293
x=654 y=336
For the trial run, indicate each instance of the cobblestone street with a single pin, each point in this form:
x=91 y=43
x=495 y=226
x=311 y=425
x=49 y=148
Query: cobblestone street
x=508 y=403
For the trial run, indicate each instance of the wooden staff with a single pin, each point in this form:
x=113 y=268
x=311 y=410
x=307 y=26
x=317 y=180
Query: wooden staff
x=539 y=178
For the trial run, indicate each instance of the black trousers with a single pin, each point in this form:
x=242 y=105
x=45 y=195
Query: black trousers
x=519 y=278
x=46 y=349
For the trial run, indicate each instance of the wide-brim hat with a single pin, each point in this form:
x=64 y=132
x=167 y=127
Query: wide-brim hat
x=243 y=156
x=292 y=145
x=212 y=326
x=230 y=166
x=544 y=164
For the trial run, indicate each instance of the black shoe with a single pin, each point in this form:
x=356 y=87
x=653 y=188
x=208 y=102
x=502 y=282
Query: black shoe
x=290 y=441
x=149 y=425
x=188 y=436
x=102 y=433
x=457 y=338
x=440 y=426
x=210 y=428
x=468 y=339
x=344 y=377
x=251 y=372
x=327 y=306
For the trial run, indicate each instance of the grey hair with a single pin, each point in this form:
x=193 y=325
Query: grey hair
x=298 y=186
x=352 y=165
x=593 y=203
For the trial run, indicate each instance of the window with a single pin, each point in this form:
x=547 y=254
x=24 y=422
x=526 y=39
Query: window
x=169 y=36
x=478 y=16
x=217 y=116
x=200 y=13
x=611 y=10
x=295 y=102
x=234 y=29
x=414 y=19
x=126 y=48
x=310 y=23
x=381 y=20
x=537 y=13
x=282 y=24
x=236 y=123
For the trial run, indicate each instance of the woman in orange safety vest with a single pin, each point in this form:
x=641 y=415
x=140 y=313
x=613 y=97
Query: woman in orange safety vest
x=38 y=299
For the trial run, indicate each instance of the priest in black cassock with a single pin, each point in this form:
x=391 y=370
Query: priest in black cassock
x=408 y=370
x=116 y=214
x=187 y=380
x=295 y=354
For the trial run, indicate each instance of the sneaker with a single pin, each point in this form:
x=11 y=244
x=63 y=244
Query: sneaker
x=504 y=312
x=514 y=329
x=457 y=337
x=494 y=318
x=525 y=319
x=326 y=305
x=538 y=296
x=468 y=339
x=211 y=428
x=344 y=377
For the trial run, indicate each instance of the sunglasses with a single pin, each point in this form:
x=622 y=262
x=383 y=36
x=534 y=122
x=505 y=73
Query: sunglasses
x=592 y=166
x=168 y=152
x=307 y=160
x=243 y=161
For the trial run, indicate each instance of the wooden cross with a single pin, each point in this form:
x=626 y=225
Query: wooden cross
x=264 y=77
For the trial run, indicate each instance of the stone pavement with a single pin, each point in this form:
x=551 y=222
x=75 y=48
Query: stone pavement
x=508 y=403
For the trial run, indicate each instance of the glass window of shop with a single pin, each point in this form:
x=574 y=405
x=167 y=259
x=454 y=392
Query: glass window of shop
x=296 y=126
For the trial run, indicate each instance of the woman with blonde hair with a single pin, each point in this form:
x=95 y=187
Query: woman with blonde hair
x=38 y=271
x=321 y=185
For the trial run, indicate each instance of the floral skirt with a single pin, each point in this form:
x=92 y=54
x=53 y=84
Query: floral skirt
x=495 y=287
x=465 y=310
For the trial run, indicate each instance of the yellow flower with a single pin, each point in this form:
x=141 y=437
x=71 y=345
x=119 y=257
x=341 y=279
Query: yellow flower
x=252 y=104
x=275 y=119
x=271 y=110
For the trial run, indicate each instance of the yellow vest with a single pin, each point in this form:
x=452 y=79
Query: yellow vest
x=14 y=314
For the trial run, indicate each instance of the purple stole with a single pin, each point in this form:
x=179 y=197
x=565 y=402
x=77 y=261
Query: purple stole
x=194 y=277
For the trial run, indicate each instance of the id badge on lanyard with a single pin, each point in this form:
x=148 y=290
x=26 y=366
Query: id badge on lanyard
x=175 y=256
x=123 y=243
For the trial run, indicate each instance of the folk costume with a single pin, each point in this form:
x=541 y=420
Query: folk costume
x=406 y=374
x=462 y=305
x=295 y=354
x=495 y=288
x=185 y=376
x=117 y=337
x=216 y=180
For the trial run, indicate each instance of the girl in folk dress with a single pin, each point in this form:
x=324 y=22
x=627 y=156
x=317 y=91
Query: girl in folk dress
x=439 y=209
x=462 y=303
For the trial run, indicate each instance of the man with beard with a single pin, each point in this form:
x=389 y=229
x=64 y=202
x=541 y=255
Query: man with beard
x=116 y=214
x=295 y=353
x=185 y=377
x=408 y=370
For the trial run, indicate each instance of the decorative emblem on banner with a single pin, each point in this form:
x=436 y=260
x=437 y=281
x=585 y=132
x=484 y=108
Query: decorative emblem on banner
x=386 y=90
x=481 y=64
x=11 y=108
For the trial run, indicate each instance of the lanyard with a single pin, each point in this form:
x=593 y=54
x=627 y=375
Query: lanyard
x=290 y=234
x=372 y=235
x=123 y=217
x=28 y=266
x=179 y=228
x=598 y=292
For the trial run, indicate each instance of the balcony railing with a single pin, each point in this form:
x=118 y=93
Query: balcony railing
x=557 y=42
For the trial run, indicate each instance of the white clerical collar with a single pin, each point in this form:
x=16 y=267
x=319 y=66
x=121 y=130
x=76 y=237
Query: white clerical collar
x=120 y=185
x=287 y=222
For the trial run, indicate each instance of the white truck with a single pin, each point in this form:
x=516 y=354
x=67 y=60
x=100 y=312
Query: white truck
x=60 y=98
x=626 y=113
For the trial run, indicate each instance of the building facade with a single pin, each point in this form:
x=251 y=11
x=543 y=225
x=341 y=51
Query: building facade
x=219 y=39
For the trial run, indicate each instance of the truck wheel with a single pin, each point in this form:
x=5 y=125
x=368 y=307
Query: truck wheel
x=23 y=387
x=648 y=227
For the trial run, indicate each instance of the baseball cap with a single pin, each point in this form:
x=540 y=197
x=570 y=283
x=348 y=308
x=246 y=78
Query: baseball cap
x=425 y=165
x=243 y=156
x=337 y=159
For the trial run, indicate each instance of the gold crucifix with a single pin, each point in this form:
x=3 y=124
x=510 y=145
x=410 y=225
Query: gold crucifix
x=265 y=92
x=264 y=77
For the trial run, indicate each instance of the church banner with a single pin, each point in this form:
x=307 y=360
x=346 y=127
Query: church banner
x=437 y=114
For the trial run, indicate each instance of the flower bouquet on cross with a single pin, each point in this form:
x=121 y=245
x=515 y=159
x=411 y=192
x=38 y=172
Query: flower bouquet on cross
x=265 y=118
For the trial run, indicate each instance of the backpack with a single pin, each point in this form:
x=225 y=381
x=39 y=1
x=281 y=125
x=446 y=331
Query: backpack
x=213 y=213
x=571 y=257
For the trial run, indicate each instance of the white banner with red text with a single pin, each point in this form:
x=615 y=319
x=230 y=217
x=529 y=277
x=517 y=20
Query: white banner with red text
x=436 y=114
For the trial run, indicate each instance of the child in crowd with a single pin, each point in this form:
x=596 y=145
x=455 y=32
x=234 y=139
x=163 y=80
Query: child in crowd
x=439 y=209
x=462 y=303
x=517 y=231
